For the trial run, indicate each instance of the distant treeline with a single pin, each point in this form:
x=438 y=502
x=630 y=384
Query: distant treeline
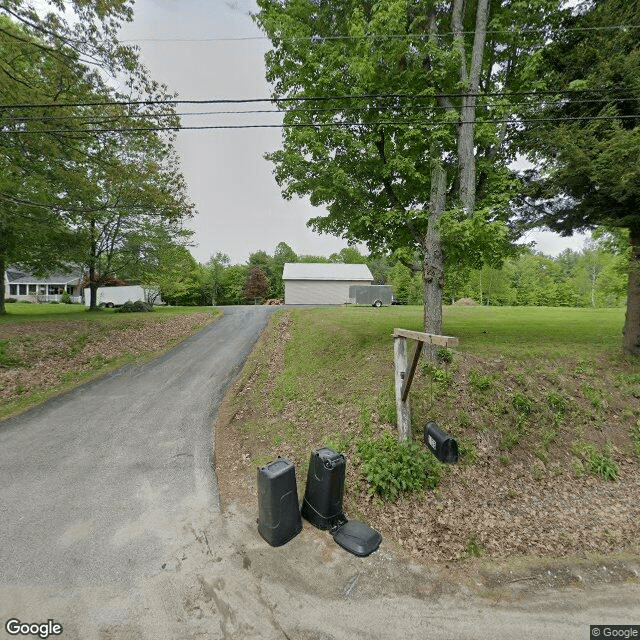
x=596 y=276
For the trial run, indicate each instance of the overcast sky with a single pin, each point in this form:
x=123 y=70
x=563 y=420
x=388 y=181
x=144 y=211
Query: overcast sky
x=240 y=209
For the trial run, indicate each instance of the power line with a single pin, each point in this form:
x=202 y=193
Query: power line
x=390 y=36
x=169 y=114
x=398 y=123
x=381 y=96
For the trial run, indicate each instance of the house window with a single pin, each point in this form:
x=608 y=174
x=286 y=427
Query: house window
x=42 y=288
x=23 y=289
x=13 y=289
x=32 y=289
x=56 y=289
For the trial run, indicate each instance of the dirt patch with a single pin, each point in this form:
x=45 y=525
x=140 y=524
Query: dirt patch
x=235 y=450
x=466 y=302
x=48 y=353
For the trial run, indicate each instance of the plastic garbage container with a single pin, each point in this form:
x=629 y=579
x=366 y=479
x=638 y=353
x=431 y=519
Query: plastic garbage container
x=278 y=507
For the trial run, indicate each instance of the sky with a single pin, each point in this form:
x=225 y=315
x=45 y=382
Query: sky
x=240 y=207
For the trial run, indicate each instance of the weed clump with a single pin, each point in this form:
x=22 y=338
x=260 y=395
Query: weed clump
x=394 y=468
x=600 y=464
x=7 y=360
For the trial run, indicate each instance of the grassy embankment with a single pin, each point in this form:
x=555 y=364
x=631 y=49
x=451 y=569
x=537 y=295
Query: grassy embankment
x=46 y=349
x=544 y=406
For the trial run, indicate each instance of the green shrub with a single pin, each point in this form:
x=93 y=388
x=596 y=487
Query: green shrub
x=393 y=468
x=10 y=300
x=438 y=375
x=65 y=298
x=445 y=355
x=138 y=305
x=53 y=302
x=556 y=402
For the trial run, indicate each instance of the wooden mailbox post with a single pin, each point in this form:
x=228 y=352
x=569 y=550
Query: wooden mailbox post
x=404 y=377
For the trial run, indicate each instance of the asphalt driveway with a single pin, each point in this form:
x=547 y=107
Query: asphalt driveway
x=88 y=480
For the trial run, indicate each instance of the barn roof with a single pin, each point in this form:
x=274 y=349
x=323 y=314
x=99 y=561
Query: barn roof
x=324 y=271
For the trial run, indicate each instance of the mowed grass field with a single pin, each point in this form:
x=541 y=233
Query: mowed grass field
x=46 y=349
x=543 y=404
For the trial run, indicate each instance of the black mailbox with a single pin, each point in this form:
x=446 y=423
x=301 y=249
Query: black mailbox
x=442 y=445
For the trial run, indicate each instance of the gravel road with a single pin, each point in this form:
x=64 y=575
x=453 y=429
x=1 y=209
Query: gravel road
x=110 y=527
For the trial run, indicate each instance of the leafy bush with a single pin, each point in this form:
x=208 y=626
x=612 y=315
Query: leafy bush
x=556 y=402
x=138 y=305
x=10 y=300
x=65 y=298
x=445 y=355
x=441 y=376
x=393 y=468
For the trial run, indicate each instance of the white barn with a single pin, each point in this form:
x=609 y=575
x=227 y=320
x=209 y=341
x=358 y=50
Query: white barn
x=319 y=283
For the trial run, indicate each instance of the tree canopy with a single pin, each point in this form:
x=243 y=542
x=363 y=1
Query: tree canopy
x=586 y=144
x=76 y=183
x=381 y=121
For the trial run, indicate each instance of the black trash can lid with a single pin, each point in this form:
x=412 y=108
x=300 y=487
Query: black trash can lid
x=357 y=538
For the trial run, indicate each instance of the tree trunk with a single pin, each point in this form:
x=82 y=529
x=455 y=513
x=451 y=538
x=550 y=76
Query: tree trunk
x=466 y=143
x=433 y=261
x=93 y=285
x=3 y=267
x=632 y=322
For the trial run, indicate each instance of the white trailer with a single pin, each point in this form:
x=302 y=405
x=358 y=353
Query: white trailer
x=373 y=294
x=117 y=296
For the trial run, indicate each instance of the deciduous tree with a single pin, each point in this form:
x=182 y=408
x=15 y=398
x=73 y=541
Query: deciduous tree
x=381 y=121
x=256 y=285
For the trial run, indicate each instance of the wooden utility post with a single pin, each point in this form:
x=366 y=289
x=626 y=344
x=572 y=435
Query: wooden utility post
x=404 y=376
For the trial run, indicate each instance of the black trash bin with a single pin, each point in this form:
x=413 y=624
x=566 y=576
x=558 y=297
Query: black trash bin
x=278 y=507
x=322 y=504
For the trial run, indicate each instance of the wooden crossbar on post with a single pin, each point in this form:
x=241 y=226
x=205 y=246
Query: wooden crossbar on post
x=404 y=377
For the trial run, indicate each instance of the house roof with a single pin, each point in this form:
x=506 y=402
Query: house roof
x=322 y=271
x=15 y=276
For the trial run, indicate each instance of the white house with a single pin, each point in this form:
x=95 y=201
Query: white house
x=319 y=283
x=21 y=285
